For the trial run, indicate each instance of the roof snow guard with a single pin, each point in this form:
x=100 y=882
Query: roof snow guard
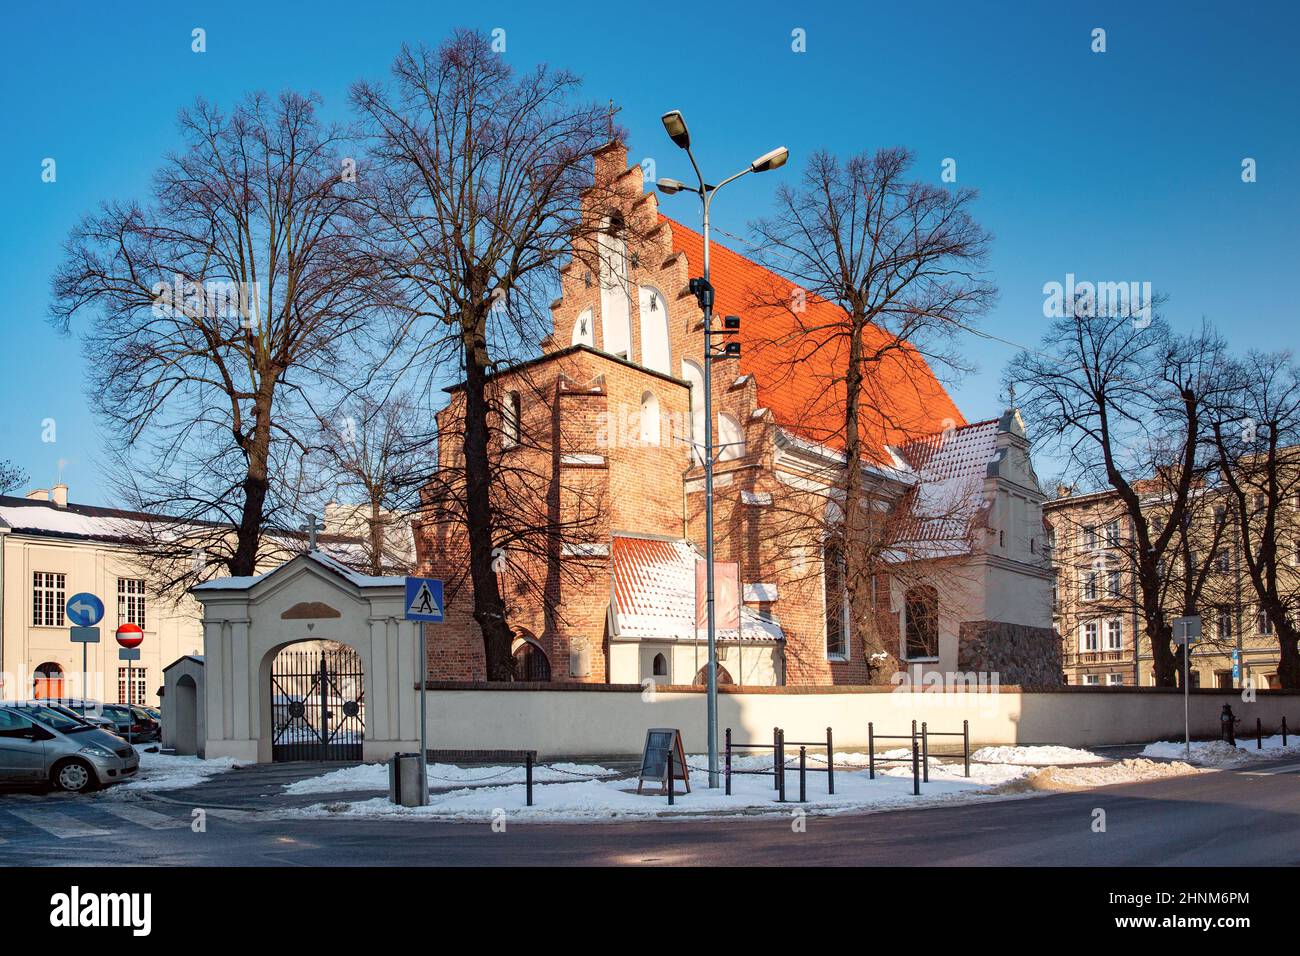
x=653 y=594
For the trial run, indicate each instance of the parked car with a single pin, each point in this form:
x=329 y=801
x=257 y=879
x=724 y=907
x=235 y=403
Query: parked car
x=132 y=722
x=88 y=715
x=40 y=744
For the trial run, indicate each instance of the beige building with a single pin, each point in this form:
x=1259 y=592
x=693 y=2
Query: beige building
x=1097 y=605
x=51 y=550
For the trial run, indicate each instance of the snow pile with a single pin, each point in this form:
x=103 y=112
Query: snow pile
x=374 y=776
x=1035 y=756
x=1126 y=771
x=1220 y=753
x=160 y=771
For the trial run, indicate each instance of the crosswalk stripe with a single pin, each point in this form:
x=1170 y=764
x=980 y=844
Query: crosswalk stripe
x=59 y=824
x=143 y=817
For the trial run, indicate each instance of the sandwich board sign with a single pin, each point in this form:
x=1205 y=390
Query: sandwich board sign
x=659 y=743
x=424 y=600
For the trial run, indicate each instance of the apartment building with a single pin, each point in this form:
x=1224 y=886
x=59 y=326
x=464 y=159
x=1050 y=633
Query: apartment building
x=1097 y=605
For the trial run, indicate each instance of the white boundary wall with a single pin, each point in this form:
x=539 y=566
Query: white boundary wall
x=590 y=720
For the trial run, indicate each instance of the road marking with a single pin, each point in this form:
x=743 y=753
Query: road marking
x=144 y=818
x=1285 y=768
x=59 y=824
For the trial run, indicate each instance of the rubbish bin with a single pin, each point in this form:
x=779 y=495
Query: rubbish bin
x=404 y=784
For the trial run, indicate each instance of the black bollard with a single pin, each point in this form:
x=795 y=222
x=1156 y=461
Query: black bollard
x=871 y=750
x=671 y=786
x=528 y=775
x=925 y=753
x=1284 y=730
x=1259 y=733
x=776 y=758
x=830 y=762
x=780 y=774
x=803 y=774
x=728 y=772
x=916 y=771
x=965 y=745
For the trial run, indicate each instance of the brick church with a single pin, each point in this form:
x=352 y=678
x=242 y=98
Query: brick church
x=599 y=435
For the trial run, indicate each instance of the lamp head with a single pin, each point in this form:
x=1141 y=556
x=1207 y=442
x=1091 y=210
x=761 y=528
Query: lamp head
x=771 y=160
x=670 y=186
x=675 y=125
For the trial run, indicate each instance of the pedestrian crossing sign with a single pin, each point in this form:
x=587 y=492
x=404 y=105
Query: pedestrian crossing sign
x=424 y=600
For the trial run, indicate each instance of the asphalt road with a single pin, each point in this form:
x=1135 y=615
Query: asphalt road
x=1246 y=817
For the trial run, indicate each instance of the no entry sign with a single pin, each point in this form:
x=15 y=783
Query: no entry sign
x=130 y=635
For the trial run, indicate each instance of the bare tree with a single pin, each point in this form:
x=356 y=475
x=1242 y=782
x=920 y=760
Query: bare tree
x=1123 y=400
x=11 y=476
x=901 y=263
x=371 y=459
x=480 y=183
x=1256 y=434
x=216 y=308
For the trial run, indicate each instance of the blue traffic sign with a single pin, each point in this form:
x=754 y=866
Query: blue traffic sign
x=85 y=610
x=424 y=600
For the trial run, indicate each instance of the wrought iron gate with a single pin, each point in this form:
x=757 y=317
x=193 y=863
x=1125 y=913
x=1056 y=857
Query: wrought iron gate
x=318 y=705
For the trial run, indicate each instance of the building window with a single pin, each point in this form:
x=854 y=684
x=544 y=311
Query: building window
x=1114 y=583
x=1088 y=640
x=1222 y=560
x=1112 y=534
x=836 y=600
x=47 y=599
x=1090 y=585
x=1088 y=534
x=649 y=419
x=138 y=682
x=47 y=681
x=1092 y=680
x=921 y=607
x=510 y=417
x=1223 y=680
x=1114 y=680
x=1223 y=623
x=130 y=601
x=1114 y=634
x=1263 y=622
x=660 y=666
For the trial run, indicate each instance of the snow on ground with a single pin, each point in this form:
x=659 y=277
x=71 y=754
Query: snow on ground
x=1220 y=753
x=751 y=794
x=160 y=771
x=1035 y=756
x=374 y=776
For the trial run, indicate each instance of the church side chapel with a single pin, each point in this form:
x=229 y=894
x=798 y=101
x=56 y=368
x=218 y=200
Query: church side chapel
x=598 y=439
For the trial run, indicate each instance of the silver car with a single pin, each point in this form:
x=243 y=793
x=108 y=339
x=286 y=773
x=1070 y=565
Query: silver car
x=39 y=744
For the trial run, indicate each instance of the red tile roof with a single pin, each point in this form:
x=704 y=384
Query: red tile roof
x=654 y=593
x=796 y=362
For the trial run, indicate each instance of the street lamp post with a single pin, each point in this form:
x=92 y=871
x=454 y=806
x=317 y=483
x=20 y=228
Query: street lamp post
x=675 y=125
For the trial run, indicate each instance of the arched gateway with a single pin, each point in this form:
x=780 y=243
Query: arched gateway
x=310 y=661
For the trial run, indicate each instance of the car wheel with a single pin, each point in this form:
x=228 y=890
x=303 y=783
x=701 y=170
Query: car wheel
x=73 y=776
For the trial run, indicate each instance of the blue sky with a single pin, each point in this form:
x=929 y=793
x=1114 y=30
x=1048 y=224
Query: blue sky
x=1115 y=166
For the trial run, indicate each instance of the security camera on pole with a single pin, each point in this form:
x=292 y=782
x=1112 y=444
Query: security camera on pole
x=129 y=637
x=675 y=125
